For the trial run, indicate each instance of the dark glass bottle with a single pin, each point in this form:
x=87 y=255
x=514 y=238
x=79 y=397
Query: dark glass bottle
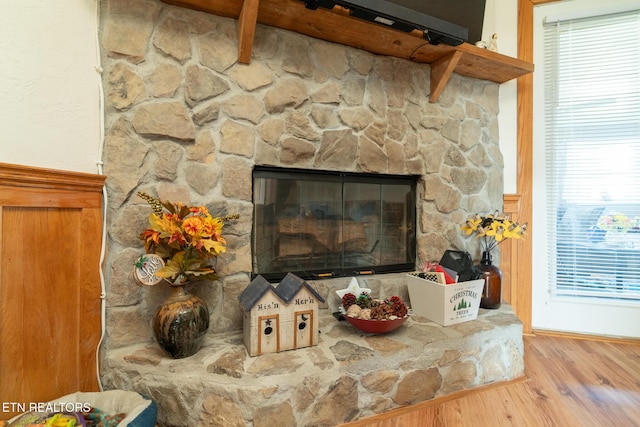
x=492 y=291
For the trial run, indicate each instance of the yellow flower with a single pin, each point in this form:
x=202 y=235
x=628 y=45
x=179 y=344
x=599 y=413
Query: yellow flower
x=193 y=225
x=212 y=227
x=493 y=229
x=471 y=225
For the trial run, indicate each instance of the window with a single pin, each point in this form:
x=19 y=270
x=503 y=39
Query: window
x=329 y=224
x=592 y=107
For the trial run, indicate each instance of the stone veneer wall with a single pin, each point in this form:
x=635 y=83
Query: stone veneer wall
x=185 y=121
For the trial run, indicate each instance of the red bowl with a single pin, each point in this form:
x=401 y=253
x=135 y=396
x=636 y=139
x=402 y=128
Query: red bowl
x=376 y=326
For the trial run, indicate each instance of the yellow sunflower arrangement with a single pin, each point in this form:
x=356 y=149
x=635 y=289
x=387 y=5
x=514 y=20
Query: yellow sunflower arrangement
x=493 y=229
x=186 y=238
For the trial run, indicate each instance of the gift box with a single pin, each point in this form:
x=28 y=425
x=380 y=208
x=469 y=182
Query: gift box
x=444 y=304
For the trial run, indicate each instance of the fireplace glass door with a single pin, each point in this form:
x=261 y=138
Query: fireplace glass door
x=329 y=224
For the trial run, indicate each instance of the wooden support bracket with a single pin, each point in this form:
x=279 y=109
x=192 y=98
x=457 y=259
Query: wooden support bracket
x=441 y=70
x=247 y=29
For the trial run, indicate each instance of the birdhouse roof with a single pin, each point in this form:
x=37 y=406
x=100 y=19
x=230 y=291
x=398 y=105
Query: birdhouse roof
x=291 y=285
x=286 y=290
x=252 y=293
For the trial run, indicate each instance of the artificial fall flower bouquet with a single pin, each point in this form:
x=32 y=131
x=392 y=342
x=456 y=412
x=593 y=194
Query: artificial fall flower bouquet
x=186 y=238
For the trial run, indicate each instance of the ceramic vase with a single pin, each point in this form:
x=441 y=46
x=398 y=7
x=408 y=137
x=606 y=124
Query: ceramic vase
x=181 y=323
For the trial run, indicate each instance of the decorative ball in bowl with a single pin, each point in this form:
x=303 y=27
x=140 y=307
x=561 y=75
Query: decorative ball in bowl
x=374 y=316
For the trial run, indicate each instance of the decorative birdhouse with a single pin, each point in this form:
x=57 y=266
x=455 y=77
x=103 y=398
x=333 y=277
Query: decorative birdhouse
x=279 y=318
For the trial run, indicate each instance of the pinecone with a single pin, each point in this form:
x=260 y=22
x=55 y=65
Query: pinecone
x=364 y=301
x=388 y=311
x=381 y=312
x=377 y=313
x=348 y=300
x=398 y=307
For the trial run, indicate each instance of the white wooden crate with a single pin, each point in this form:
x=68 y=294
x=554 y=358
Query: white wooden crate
x=444 y=304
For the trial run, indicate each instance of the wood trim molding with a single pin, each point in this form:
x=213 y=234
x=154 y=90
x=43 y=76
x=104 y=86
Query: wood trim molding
x=510 y=257
x=598 y=338
x=39 y=187
x=525 y=160
x=33 y=177
x=524 y=186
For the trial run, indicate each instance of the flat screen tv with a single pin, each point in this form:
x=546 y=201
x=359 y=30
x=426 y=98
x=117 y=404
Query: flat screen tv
x=441 y=21
x=465 y=13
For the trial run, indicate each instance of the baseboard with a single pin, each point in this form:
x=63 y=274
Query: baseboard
x=589 y=337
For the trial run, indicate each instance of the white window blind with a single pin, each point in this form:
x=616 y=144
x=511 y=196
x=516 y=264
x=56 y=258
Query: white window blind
x=592 y=112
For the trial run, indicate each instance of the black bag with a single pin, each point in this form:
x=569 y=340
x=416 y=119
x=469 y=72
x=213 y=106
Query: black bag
x=461 y=263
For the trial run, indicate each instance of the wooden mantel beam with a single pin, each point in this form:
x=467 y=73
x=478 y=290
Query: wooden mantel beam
x=338 y=26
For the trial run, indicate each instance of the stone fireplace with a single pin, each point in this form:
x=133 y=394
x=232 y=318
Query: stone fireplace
x=186 y=122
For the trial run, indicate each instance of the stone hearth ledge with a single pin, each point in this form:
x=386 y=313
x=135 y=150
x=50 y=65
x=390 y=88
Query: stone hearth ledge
x=349 y=375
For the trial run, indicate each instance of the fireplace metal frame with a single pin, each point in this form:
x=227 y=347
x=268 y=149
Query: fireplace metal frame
x=335 y=264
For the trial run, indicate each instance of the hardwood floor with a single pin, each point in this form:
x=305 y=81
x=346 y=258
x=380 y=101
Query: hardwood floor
x=569 y=382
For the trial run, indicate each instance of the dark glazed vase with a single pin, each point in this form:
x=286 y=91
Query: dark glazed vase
x=180 y=323
x=492 y=291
